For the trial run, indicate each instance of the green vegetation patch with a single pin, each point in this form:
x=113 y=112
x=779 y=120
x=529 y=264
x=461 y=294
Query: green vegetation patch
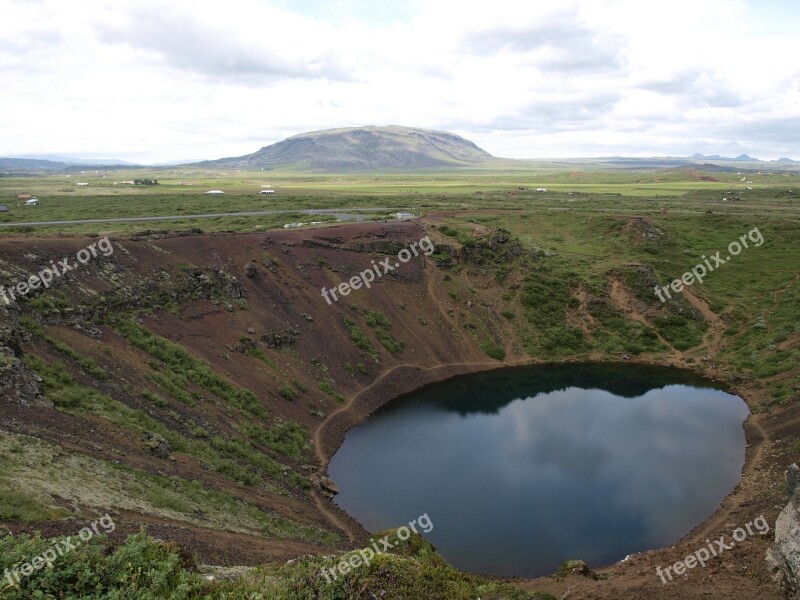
x=142 y=568
x=232 y=457
x=546 y=296
x=381 y=324
x=360 y=339
x=180 y=361
x=25 y=507
x=326 y=385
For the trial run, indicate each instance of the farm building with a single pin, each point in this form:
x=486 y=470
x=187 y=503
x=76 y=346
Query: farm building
x=81 y=183
x=402 y=216
x=215 y=192
x=24 y=196
x=267 y=192
x=3 y=209
x=32 y=202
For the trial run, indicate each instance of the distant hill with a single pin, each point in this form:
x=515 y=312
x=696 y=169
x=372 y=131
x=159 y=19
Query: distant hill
x=18 y=164
x=75 y=161
x=741 y=157
x=363 y=149
x=24 y=165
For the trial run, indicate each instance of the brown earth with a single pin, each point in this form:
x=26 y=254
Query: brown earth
x=438 y=346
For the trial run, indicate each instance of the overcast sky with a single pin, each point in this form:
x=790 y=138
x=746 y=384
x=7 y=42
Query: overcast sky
x=160 y=80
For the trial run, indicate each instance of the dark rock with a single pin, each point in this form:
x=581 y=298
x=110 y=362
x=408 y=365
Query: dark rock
x=329 y=485
x=158 y=445
x=783 y=558
x=325 y=485
x=792 y=478
x=576 y=567
x=250 y=269
x=278 y=339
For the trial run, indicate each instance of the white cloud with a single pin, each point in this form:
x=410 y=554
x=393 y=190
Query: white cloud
x=163 y=79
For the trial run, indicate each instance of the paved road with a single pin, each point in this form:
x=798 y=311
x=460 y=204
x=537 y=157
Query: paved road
x=339 y=213
x=343 y=215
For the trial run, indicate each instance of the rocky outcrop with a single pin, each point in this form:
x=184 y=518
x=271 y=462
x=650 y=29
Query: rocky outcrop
x=575 y=567
x=783 y=557
x=250 y=269
x=278 y=339
x=643 y=230
x=378 y=246
x=18 y=384
x=158 y=445
x=325 y=485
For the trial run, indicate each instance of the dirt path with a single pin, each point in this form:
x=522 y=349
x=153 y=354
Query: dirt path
x=623 y=299
x=712 y=339
x=324 y=459
x=758 y=443
x=332 y=517
x=776 y=296
x=318 y=435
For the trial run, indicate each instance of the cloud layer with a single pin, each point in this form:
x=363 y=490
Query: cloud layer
x=174 y=79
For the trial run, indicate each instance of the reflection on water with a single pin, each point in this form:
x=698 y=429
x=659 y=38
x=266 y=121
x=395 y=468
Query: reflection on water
x=522 y=469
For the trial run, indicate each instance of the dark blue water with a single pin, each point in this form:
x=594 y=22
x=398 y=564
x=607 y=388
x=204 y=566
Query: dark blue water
x=522 y=469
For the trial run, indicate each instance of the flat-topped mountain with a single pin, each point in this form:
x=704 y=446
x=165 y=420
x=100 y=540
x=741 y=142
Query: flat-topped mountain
x=364 y=149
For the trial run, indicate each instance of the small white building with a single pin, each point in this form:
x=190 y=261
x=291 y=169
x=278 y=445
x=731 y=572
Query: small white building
x=403 y=216
x=267 y=192
x=32 y=202
x=541 y=189
x=81 y=183
x=215 y=192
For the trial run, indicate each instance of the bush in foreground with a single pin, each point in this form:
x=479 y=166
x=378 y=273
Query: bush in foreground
x=143 y=568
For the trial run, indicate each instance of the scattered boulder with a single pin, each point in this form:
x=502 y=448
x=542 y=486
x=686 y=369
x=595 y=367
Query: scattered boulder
x=792 y=478
x=250 y=269
x=18 y=383
x=278 y=339
x=576 y=567
x=644 y=230
x=325 y=485
x=329 y=485
x=158 y=445
x=783 y=557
